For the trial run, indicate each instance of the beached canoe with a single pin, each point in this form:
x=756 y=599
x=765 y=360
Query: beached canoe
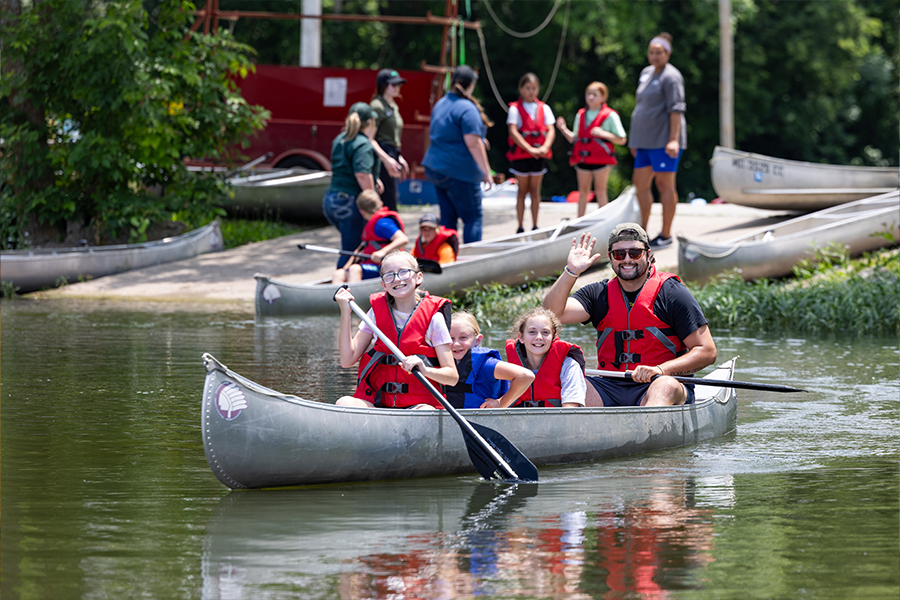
x=509 y=260
x=777 y=184
x=31 y=270
x=291 y=194
x=775 y=250
x=256 y=437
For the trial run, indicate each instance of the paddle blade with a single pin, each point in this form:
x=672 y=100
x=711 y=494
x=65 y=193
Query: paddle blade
x=429 y=266
x=486 y=465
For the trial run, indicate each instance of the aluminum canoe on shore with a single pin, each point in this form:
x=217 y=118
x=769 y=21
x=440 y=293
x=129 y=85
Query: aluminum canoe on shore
x=40 y=268
x=774 y=251
x=509 y=260
x=256 y=437
x=292 y=194
x=777 y=184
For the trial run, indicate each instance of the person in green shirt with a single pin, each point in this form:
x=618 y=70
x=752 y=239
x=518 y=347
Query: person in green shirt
x=388 y=131
x=354 y=167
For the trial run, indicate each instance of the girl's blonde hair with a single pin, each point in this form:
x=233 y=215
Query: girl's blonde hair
x=412 y=263
x=518 y=327
x=464 y=317
x=601 y=87
x=353 y=125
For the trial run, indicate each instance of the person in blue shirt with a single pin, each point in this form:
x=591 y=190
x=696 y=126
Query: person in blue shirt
x=456 y=162
x=382 y=234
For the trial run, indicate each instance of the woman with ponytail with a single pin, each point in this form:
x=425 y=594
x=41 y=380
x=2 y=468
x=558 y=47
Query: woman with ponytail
x=456 y=162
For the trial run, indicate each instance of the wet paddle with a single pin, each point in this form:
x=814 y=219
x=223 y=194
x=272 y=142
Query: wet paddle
x=425 y=265
x=493 y=456
x=740 y=385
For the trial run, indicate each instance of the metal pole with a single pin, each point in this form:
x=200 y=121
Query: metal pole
x=726 y=76
x=311 y=34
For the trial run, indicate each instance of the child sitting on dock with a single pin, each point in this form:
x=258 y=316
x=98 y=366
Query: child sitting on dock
x=418 y=324
x=558 y=366
x=382 y=234
x=484 y=378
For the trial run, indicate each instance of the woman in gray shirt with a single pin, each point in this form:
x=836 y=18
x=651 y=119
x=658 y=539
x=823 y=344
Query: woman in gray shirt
x=657 y=136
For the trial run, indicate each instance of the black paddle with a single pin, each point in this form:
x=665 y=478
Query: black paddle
x=493 y=456
x=425 y=265
x=740 y=385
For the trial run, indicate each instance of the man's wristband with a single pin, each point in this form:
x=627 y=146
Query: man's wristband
x=571 y=272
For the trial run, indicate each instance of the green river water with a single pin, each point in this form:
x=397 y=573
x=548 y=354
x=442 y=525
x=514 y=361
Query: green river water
x=106 y=492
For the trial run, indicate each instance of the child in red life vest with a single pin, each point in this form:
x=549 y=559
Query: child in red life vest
x=596 y=128
x=435 y=242
x=417 y=324
x=558 y=366
x=531 y=135
x=382 y=235
x=485 y=380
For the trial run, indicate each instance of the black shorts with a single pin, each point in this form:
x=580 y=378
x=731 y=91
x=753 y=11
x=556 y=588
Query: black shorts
x=528 y=167
x=584 y=167
x=617 y=392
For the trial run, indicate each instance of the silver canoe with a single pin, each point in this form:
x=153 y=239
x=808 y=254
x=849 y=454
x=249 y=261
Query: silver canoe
x=774 y=251
x=292 y=194
x=509 y=260
x=765 y=182
x=256 y=437
x=32 y=270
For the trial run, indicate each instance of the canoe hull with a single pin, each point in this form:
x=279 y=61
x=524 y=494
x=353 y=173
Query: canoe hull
x=32 y=270
x=292 y=194
x=774 y=251
x=269 y=439
x=510 y=261
x=777 y=184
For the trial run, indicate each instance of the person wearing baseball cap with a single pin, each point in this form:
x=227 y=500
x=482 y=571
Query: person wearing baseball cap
x=436 y=242
x=647 y=322
x=388 y=131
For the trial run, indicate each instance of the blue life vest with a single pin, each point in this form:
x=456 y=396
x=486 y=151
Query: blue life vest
x=474 y=383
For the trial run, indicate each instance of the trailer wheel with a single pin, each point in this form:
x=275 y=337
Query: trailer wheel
x=304 y=162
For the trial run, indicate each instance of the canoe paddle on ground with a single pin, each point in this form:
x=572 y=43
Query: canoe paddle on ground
x=740 y=385
x=493 y=455
x=425 y=265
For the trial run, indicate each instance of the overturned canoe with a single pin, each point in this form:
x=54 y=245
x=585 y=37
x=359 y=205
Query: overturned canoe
x=509 y=260
x=774 y=251
x=31 y=270
x=291 y=194
x=778 y=184
x=256 y=437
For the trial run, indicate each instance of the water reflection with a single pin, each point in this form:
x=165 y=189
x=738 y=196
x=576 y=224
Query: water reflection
x=599 y=537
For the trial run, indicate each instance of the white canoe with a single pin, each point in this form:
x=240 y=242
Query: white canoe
x=774 y=183
x=508 y=260
x=291 y=194
x=31 y=270
x=775 y=250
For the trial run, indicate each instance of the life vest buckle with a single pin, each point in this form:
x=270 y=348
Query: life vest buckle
x=628 y=358
x=394 y=387
x=390 y=360
x=631 y=334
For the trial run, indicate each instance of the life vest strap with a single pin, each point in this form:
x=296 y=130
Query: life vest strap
x=555 y=402
x=395 y=387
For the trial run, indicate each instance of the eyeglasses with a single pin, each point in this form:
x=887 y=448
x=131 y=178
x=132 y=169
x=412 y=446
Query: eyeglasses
x=633 y=253
x=401 y=275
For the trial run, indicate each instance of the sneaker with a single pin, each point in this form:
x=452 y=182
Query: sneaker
x=520 y=230
x=660 y=242
x=534 y=228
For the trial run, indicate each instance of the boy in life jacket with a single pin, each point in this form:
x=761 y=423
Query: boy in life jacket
x=596 y=128
x=436 y=242
x=485 y=381
x=418 y=324
x=382 y=234
x=531 y=136
x=558 y=366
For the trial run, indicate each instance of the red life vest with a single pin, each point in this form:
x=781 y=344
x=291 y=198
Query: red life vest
x=373 y=242
x=638 y=337
x=381 y=380
x=430 y=251
x=533 y=130
x=590 y=150
x=546 y=390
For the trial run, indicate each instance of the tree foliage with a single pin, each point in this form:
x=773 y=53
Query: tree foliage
x=98 y=113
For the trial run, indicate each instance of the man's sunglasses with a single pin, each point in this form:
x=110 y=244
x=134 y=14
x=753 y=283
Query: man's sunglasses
x=633 y=253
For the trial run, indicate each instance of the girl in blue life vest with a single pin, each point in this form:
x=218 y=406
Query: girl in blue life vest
x=531 y=136
x=417 y=323
x=484 y=379
x=558 y=366
x=596 y=128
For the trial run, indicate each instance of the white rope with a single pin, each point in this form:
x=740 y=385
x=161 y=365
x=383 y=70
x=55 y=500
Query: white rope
x=517 y=34
x=562 y=41
x=487 y=67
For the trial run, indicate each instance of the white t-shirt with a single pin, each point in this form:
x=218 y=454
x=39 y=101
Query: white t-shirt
x=574 y=387
x=531 y=109
x=437 y=333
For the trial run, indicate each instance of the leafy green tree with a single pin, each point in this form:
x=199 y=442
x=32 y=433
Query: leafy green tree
x=97 y=114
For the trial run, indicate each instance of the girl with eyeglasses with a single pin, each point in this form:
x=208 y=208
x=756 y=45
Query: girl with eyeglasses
x=419 y=324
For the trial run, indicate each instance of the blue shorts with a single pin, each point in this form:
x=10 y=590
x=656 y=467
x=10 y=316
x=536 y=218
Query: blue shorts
x=658 y=159
x=617 y=392
x=371 y=270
